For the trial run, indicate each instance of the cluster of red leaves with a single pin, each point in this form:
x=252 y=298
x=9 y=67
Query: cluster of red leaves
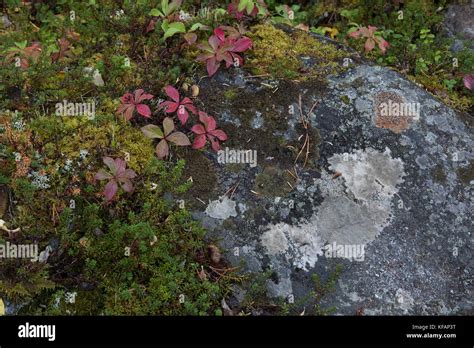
x=207 y=130
x=182 y=107
x=26 y=55
x=132 y=102
x=204 y=131
x=117 y=175
x=220 y=48
x=370 y=34
x=31 y=54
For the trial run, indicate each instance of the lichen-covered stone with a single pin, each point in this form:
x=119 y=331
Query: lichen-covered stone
x=401 y=199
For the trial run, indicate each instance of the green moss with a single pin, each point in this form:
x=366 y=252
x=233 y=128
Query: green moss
x=106 y=136
x=231 y=93
x=345 y=99
x=466 y=174
x=279 y=54
x=438 y=174
x=204 y=179
x=273 y=182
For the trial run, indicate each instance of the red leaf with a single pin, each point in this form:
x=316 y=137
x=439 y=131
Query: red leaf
x=129 y=174
x=120 y=165
x=242 y=45
x=183 y=114
x=214 y=143
x=143 y=110
x=129 y=112
x=212 y=66
x=468 y=81
x=209 y=121
x=214 y=42
x=383 y=45
x=151 y=24
x=172 y=93
x=369 y=45
x=219 y=134
x=198 y=129
x=169 y=106
x=127 y=185
x=110 y=189
x=199 y=141
x=219 y=33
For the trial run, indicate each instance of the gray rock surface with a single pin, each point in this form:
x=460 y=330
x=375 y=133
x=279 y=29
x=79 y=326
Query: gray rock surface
x=459 y=20
x=395 y=195
x=459 y=23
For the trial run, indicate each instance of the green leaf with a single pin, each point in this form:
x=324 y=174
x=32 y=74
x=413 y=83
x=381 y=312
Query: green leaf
x=155 y=13
x=197 y=26
x=165 y=25
x=165 y=7
x=152 y=131
x=21 y=44
x=175 y=4
x=174 y=28
x=242 y=5
x=250 y=7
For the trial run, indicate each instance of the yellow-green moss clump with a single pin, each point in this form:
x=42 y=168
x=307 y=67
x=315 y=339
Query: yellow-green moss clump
x=66 y=138
x=111 y=139
x=280 y=54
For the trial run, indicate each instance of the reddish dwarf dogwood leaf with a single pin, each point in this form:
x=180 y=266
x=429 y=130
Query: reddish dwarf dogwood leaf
x=207 y=130
x=151 y=24
x=64 y=50
x=372 y=38
x=221 y=48
x=132 y=102
x=178 y=138
x=181 y=106
x=118 y=175
x=26 y=55
x=468 y=81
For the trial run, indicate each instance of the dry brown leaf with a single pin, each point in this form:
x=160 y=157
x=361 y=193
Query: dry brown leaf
x=194 y=90
x=215 y=253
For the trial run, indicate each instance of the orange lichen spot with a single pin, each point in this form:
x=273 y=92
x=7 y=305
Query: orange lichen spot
x=393 y=112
